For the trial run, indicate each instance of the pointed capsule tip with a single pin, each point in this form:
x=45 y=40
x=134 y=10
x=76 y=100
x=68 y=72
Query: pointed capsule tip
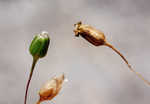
x=44 y=32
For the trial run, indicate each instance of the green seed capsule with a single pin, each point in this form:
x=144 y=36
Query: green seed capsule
x=39 y=45
x=38 y=49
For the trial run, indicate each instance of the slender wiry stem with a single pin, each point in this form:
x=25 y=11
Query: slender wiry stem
x=38 y=102
x=138 y=74
x=30 y=76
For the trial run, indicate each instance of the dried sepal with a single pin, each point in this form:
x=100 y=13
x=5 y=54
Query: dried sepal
x=51 y=88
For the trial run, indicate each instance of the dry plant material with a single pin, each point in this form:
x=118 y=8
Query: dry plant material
x=38 y=49
x=97 y=38
x=50 y=89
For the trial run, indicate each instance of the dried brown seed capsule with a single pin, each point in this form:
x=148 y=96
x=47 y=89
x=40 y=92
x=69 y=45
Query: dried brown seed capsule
x=92 y=35
x=97 y=38
x=51 y=88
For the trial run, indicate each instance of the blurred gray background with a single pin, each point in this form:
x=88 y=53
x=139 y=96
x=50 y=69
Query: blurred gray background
x=96 y=75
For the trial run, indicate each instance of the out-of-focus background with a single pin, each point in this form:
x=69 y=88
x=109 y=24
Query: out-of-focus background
x=96 y=75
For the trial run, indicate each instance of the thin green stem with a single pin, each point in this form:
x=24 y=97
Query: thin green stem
x=29 y=79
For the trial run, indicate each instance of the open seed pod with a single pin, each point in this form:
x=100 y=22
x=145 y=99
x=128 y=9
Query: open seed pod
x=51 y=88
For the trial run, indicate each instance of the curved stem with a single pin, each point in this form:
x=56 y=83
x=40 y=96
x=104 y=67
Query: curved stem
x=29 y=79
x=38 y=102
x=129 y=66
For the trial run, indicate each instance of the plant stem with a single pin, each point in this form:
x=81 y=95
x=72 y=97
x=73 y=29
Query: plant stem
x=29 y=79
x=38 y=102
x=129 y=66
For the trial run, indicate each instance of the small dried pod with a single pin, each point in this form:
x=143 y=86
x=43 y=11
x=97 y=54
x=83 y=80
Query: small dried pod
x=97 y=38
x=51 y=88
